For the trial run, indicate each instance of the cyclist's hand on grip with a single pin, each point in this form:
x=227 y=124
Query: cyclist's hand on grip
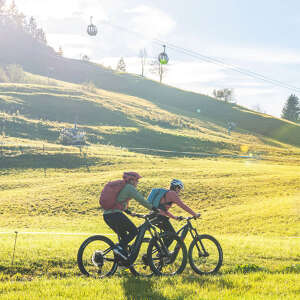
x=197 y=215
x=155 y=209
x=133 y=214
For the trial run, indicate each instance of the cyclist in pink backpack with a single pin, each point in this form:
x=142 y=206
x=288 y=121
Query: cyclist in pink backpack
x=114 y=200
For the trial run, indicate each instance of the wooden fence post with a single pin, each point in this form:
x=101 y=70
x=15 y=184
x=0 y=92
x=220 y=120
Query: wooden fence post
x=12 y=262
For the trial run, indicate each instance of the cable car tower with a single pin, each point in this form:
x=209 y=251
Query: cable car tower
x=163 y=57
x=92 y=29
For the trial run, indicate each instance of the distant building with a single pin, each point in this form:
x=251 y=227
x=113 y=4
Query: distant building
x=72 y=136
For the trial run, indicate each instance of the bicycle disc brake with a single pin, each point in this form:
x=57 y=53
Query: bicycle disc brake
x=98 y=259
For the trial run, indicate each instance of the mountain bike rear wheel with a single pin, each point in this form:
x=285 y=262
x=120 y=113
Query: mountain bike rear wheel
x=205 y=255
x=167 y=254
x=96 y=258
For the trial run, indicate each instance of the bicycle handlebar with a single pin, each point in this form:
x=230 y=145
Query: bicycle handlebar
x=139 y=216
x=189 y=218
x=143 y=216
x=153 y=213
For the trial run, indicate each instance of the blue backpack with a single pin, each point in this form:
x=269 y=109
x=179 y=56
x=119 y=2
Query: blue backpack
x=155 y=196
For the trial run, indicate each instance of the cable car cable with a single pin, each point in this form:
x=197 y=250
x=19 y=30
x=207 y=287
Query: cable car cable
x=209 y=59
x=239 y=70
x=232 y=67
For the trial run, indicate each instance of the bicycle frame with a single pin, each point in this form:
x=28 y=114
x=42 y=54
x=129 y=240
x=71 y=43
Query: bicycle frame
x=188 y=227
x=183 y=231
x=146 y=226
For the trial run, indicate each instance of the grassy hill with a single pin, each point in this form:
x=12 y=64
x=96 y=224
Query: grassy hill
x=40 y=111
x=40 y=59
x=49 y=192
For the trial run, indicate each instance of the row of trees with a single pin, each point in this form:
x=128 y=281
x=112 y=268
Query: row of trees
x=12 y=73
x=11 y=17
x=156 y=67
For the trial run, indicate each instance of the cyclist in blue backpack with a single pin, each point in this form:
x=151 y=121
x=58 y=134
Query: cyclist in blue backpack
x=164 y=199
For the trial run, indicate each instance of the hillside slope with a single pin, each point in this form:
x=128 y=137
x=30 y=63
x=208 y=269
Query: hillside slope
x=37 y=112
x=41 y=59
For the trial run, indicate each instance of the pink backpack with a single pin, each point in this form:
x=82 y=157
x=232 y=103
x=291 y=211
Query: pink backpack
x=109 y=194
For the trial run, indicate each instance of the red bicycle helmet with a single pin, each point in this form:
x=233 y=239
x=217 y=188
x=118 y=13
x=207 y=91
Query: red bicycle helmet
x=130 y=175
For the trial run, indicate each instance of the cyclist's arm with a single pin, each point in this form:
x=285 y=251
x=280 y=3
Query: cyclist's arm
x=167 y=214
x=183 y=206
x=129 y=191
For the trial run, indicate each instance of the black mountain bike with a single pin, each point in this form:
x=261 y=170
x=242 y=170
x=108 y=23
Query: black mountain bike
x=96 y=258
x=205 y=253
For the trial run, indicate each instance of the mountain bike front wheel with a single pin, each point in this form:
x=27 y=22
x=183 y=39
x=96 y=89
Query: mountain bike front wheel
x=205 y=255
x=167 y=254
x=96 y=258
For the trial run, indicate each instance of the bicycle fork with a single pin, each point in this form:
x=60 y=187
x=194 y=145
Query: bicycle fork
x=202 y=252
x=184 y=231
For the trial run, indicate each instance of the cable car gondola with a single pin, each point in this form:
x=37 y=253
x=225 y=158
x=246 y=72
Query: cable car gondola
x=92 y=29
x=163 y=57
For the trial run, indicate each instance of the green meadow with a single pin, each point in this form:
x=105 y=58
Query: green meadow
x=246 y=186
x=251 y=206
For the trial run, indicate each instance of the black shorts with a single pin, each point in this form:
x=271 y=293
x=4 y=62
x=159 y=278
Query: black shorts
x=122 y=226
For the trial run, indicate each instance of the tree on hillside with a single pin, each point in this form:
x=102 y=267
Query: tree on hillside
x=226 y=95
x=258 y=108
x=41 y=36
x=143 y=56
x=10 y=16
x=85 y=57
x=121 y=66
x=17 y=17
x=60 y=51
x=2 y=3
x=3 y=75
x=32 y=27
x=158 y=69
x=35 y=32
x=13 y=20
x=15 y=73
x=291 y=109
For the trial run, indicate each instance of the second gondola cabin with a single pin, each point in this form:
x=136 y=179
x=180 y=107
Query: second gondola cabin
x=163 y=57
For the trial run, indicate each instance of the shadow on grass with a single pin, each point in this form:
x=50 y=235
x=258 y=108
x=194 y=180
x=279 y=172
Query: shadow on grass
x=52 y=269
x=147 y=138
x=21 y=128
x=216 y=280
x=58 y=160
x=141 y=288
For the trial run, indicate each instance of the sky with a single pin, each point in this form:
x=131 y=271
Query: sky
x=259 y=36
